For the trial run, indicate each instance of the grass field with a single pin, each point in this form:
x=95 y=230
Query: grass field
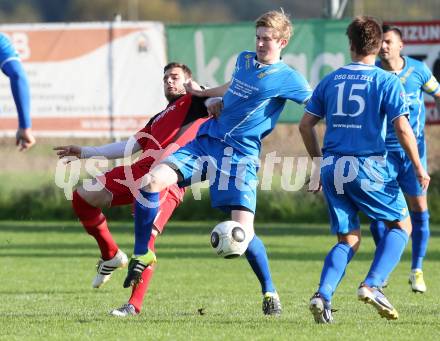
x=47 y=268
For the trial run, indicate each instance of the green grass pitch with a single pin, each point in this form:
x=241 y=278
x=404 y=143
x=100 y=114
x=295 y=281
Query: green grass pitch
x=47 y=268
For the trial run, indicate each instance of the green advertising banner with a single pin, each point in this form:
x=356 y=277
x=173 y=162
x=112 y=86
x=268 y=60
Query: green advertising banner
x=317 y=47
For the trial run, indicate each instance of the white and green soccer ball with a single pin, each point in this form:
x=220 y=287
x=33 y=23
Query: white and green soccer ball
x=229 y=239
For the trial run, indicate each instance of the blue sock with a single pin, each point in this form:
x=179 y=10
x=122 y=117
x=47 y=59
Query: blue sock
x=257 y=258
x=143 y=221
x=387 y=256
x=334 y=269
x=377 y=229
x=420 y=237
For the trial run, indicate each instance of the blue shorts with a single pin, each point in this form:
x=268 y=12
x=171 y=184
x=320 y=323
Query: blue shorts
x=371 y=191
x=402 y=170
x=232 y=175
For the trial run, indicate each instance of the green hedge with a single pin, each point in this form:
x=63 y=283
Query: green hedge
x=48 y=203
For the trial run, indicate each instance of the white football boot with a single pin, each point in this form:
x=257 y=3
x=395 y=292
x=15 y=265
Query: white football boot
x=105 y=268
x=124 y=311
x=417 y=282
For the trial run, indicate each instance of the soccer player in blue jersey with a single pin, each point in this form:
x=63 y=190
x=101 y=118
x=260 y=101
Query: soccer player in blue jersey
x=226 y=150
x=416 y=79
x=356 y=101
x=11 y=67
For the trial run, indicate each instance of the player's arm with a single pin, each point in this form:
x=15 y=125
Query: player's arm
x=408 y=141
x=13 y=69
x=308 y=134
x=437 y=101
x=115 y=150
x=202 y=107
x=431 y=86
x=211 y=92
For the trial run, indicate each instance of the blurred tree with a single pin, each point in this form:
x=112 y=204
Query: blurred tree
x=51 y=10
x=13 y=11
x=163 y=10
x=249 y=10
x=170 y=11
x=201 y=11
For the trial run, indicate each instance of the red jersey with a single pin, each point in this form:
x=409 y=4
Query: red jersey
x=163 y=134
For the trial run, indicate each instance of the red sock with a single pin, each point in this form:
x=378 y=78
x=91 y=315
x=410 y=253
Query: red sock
x=138 y=292
x=96 y=225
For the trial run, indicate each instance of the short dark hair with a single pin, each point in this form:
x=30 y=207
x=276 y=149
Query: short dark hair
x=365 y=35
x=388 y=27
x=185 y=68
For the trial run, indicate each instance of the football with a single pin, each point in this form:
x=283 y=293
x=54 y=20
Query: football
x=229 y=239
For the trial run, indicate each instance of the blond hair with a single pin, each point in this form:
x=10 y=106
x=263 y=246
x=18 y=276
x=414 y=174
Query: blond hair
x=279 y=21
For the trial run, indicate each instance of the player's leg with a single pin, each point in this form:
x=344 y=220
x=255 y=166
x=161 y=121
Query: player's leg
x=345 y=224
x=87 y=205
x=174 y=196
x=147 y=204
x=386 y=203
x=105 y=191
x=386 y=258
x=377 y=229
x=146 y=208
x=396 y=167
x=256 y=255
x=176 y=168
x=134 y=304
x=417 y=202
x=332 y=273
x=389 y=251
x=420 y=237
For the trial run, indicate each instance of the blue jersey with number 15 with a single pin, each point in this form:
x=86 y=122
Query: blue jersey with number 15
x=356 y=100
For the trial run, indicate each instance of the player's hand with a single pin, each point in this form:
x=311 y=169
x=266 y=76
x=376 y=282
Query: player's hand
x=192 y=87
x=313 y=185
x=215 y=108
x=423 y=177
x=68 y=151
x=24 y=139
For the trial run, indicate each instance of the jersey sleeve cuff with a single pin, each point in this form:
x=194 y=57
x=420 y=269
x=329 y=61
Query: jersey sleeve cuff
x=402 y=114
x=312 y=113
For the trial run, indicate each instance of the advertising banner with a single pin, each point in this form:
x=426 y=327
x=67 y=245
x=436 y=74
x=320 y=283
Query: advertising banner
x=317 y=47
x=94 y=79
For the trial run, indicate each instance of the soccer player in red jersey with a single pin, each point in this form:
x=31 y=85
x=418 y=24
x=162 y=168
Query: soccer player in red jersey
x=163 y=134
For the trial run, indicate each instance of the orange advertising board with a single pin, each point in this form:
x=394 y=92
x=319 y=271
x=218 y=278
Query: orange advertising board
x=96 y=79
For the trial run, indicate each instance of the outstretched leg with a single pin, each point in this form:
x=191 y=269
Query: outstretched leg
x=95 y=223
x=146 y=208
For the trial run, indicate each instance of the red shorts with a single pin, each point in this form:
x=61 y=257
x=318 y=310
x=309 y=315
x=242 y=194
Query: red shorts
x=120 y=182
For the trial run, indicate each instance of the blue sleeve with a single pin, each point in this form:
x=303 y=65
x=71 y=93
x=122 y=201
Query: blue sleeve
x=315 y=105
x=20 y=91
x=296 y=88
x=430 y=83
x=238 y=62
x=394 y=103
x=7 y=51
